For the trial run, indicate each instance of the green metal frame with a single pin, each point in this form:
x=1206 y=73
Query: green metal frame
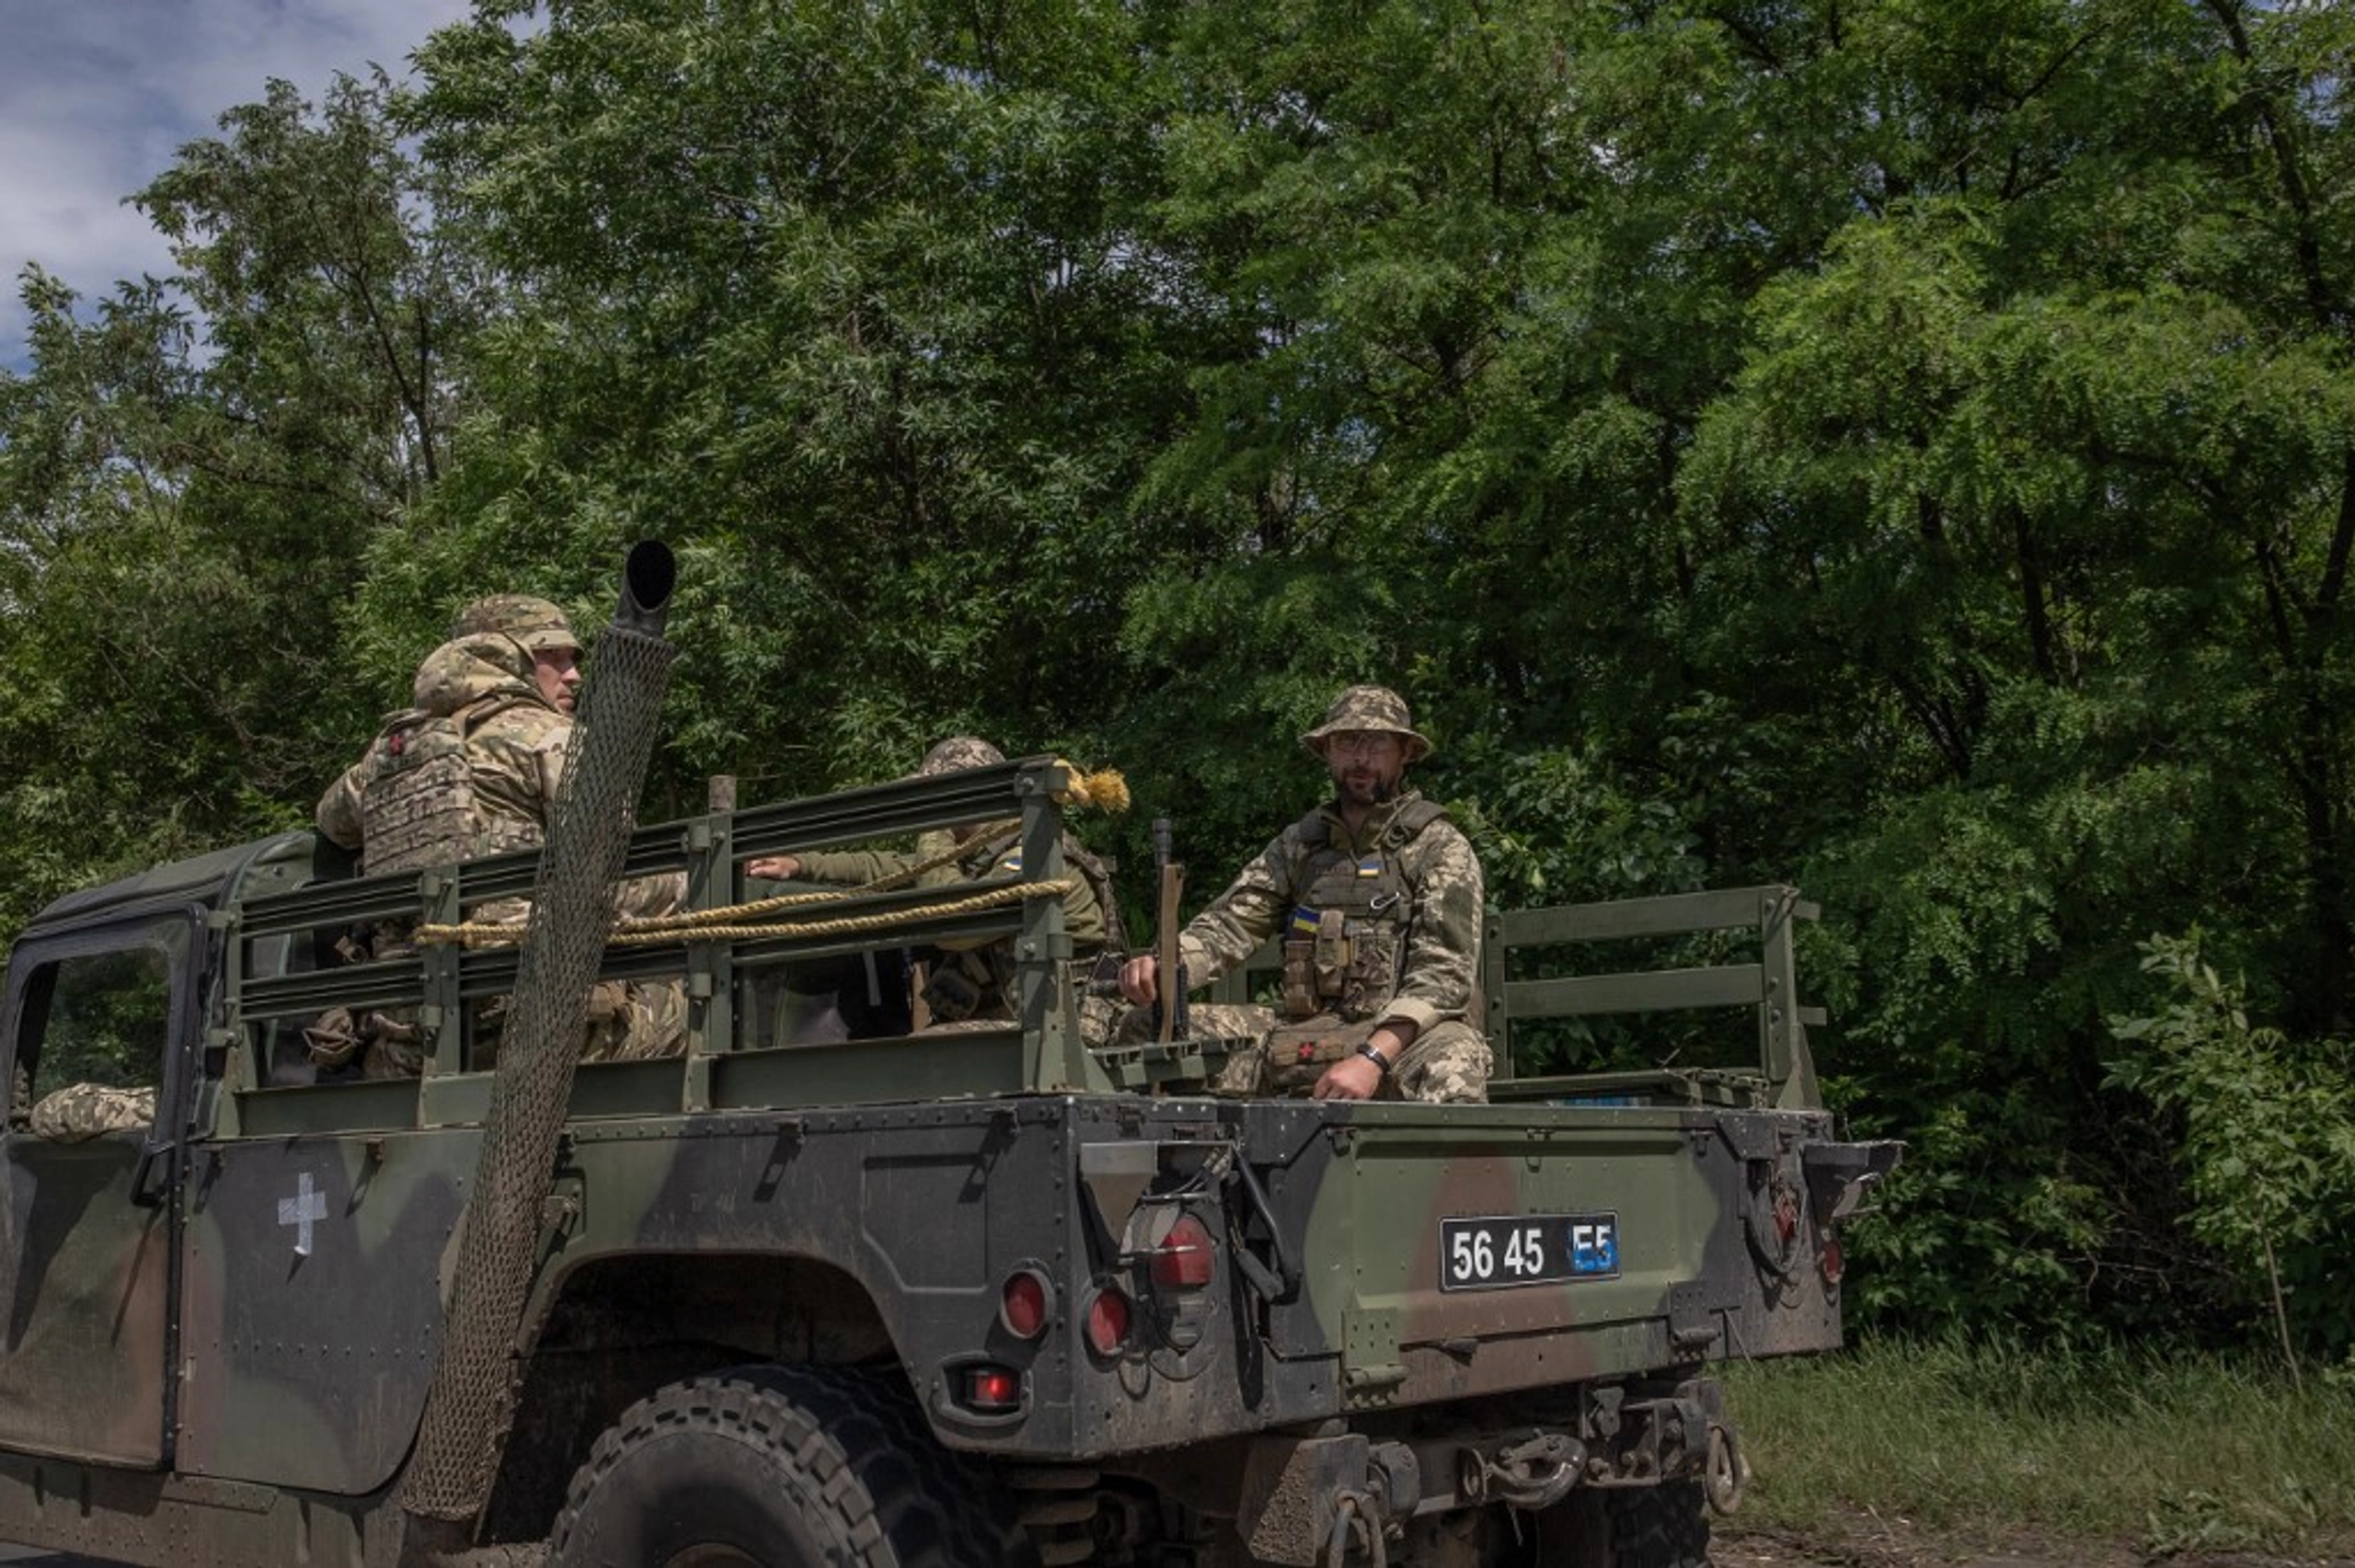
x=1770 y=985
x=1042 y=1053
x=265 y=934
x=1786 y=1069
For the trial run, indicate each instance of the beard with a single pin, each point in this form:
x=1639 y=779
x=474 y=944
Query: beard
x=1365 y=788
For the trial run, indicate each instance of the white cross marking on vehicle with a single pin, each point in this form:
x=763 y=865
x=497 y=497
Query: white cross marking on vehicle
x=307 y=1205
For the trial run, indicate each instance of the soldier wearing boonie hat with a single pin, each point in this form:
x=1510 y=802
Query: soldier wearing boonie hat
x=540 y=629
x=1379 y=900
x=956 y=754
x=1372 y=710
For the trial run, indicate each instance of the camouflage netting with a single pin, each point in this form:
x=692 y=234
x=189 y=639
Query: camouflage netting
x=471 y=1403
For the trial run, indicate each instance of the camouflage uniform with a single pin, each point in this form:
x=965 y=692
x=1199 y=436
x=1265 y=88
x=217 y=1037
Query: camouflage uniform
x=479 y=690
x=81 y=1111
x=493 y=752
x=1382 y=923
x=973 y=985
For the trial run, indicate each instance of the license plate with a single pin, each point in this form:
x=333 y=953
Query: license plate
x=1495 y=1252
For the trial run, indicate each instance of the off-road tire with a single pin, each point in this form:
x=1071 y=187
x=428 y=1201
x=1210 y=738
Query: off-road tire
x=777 y=1467
x=1638 y=1526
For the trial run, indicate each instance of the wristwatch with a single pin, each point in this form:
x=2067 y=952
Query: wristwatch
x=1372 y=1055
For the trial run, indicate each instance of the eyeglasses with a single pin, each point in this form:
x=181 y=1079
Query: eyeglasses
x=1358 y=743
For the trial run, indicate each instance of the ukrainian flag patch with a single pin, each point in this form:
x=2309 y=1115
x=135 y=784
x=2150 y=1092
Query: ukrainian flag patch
x=1303 y=921
x=1369 y=866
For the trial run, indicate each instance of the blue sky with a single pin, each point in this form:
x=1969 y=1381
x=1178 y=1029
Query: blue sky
x=96 y=95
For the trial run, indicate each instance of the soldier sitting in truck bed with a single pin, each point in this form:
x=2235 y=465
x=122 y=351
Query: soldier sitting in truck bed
x=472 y=768
x=1379 y=900
x=974 y=985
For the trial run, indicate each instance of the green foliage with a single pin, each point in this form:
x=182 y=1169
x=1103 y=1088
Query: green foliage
x=1977 y=1443
x=1898 y=445
x=832 y=299
x=188 y=480
x=2267 y=1140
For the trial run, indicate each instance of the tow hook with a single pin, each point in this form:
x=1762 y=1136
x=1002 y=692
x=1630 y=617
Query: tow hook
x=1532 y=1474
x=1725 y=1471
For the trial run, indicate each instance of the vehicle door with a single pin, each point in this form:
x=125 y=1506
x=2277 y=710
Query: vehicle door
x=89 y=1213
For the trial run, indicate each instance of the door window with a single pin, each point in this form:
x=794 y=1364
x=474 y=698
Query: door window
x=92 y=1035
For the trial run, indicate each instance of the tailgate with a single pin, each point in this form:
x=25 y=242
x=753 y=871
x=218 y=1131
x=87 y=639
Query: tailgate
x=1463 y=1251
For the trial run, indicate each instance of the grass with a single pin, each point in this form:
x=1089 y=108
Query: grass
x=2174 y=1452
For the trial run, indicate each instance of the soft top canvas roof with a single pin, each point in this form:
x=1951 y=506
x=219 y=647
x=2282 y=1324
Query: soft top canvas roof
x=208 y=879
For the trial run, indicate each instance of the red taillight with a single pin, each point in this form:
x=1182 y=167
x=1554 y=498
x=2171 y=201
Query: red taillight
x=992 y=1387
x=1108 y=1320
x=1186 y=1256
x=1023 y=1306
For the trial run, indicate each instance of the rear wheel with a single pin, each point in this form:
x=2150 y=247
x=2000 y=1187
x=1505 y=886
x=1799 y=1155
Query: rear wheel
x=777 y=1466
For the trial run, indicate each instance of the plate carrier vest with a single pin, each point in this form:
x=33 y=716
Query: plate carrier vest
x=1347 y=940
x=417 y=807
x=979 y=982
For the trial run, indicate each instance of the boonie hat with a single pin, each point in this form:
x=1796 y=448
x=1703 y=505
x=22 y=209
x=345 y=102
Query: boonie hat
x=1376 y=708
x=534 y=621
x=956 y=754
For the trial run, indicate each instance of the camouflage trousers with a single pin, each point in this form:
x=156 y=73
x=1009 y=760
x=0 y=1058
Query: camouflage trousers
x=1204 y=1021
x=81 y=1111
x=1097 y=1020
x=636 y=1022
x=1447 y=1064
x=626 y=1021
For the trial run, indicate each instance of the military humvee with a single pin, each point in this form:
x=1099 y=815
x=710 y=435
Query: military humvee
x=963 y=1297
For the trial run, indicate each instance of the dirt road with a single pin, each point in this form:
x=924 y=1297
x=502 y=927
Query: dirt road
x=1895 y=1543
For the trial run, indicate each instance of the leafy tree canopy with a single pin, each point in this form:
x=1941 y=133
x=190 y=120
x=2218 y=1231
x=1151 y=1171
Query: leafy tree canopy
x=1903 y=446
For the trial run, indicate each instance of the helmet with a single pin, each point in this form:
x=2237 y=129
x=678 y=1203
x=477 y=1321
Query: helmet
x=535 y=622
x=1376 y=708
x=956 y=754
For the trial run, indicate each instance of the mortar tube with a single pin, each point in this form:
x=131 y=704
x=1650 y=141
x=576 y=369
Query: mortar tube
x=647 y=577
x=463 y=1432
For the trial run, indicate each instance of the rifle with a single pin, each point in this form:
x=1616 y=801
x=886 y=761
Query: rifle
x=1169 y=1004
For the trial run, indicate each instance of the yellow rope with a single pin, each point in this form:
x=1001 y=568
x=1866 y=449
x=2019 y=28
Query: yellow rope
x=1014 y=893
x=708 y=925
x=1104 y=790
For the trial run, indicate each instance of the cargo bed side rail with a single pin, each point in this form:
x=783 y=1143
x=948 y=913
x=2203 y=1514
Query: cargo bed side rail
x=1769 y=985
x=280 y=975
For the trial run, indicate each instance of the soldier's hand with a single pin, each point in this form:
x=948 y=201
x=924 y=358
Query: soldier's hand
x=1138 y=982
x=1352 y=1078
x=775 y=867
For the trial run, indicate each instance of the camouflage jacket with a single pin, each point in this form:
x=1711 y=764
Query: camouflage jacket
x=1084 y=916
x=515 y=744
x=1439 y=970
x=515 y=747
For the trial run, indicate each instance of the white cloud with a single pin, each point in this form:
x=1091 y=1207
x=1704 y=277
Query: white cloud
x=98 y=95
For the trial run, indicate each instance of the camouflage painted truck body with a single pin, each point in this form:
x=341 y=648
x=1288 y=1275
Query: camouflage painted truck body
x=1155 y=1326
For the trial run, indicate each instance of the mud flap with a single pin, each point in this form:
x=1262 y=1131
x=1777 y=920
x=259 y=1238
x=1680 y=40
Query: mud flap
x=1290 y=1488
